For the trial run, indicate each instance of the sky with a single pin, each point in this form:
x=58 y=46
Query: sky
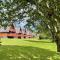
x=17 y=28
x=21 y=24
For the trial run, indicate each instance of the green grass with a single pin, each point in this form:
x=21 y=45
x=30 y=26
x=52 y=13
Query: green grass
x=28 y=49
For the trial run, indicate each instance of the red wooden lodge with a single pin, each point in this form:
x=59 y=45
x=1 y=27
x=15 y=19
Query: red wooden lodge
x=11 y=33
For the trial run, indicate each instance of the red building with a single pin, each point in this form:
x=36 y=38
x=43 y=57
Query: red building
x=11 y=33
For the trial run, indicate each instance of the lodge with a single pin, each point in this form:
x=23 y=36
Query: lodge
x=11 y=33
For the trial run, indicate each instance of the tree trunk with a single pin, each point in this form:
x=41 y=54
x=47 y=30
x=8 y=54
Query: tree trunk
x=0 y=41
x=58 y=43
x=53 y=35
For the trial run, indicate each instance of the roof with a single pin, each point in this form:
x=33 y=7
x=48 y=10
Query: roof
x=16 y=29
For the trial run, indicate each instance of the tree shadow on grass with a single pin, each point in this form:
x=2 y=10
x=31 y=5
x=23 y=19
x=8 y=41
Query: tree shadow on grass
x=42 y=41
x=26 y=53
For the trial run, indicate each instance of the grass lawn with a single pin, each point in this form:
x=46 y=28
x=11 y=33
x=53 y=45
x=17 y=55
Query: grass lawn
x=28 y=49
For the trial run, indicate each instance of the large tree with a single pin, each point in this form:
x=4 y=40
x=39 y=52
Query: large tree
x=47 y=11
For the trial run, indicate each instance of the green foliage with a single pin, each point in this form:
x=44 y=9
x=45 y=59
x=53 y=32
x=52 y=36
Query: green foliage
x=48 y=11
x=10 y=10
x=43 y=35
x=45 y=12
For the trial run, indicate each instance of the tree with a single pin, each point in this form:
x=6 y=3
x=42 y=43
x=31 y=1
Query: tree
x=49 y=12
x=11 y=10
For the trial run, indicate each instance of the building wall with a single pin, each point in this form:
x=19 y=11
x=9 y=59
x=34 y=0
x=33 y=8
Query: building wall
x=11 y=33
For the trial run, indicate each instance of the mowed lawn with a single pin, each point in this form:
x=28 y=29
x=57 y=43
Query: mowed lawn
x=28 y=49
